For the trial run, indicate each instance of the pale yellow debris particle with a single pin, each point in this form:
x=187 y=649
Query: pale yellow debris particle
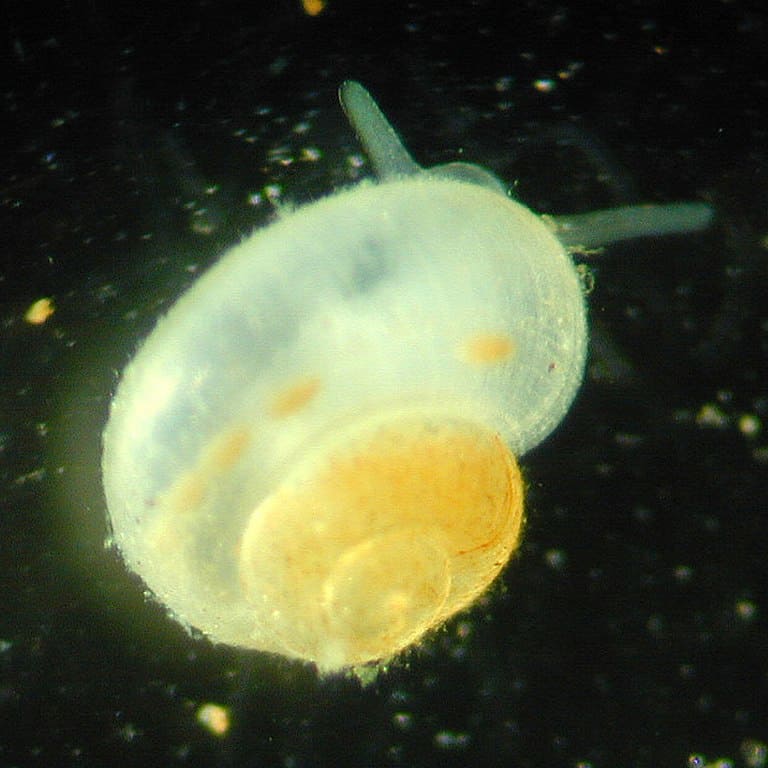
x=544 y=85
x=214 y=717
x=745 y=610
x=749 y=425
x=39 y=311
x=313 y=7
x=710 y=415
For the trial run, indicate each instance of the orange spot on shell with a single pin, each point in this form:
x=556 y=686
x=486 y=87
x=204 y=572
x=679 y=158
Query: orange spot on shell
x=486 y=348
x=227 y=449
x=294 y=397
x=190 y=490
x=186 y=494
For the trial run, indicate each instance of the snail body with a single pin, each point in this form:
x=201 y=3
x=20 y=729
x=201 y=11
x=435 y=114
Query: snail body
x=314 y=452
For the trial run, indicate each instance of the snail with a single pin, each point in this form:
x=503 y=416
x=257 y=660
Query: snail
x=315 y=452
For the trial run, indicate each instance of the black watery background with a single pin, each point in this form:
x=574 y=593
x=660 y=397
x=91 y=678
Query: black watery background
x=139 y=142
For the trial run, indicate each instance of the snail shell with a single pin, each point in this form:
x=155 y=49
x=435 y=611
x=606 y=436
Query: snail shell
x=313 y=453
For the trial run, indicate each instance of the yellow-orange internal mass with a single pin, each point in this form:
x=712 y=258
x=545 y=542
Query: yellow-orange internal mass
x=381 y=536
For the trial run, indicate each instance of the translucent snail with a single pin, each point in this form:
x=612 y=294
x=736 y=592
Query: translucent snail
x=313 y=453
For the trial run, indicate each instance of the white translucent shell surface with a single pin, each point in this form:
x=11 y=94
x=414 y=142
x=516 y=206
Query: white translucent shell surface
x=289 y=435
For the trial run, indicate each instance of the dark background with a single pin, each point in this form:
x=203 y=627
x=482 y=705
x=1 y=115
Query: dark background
x=138 y=144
